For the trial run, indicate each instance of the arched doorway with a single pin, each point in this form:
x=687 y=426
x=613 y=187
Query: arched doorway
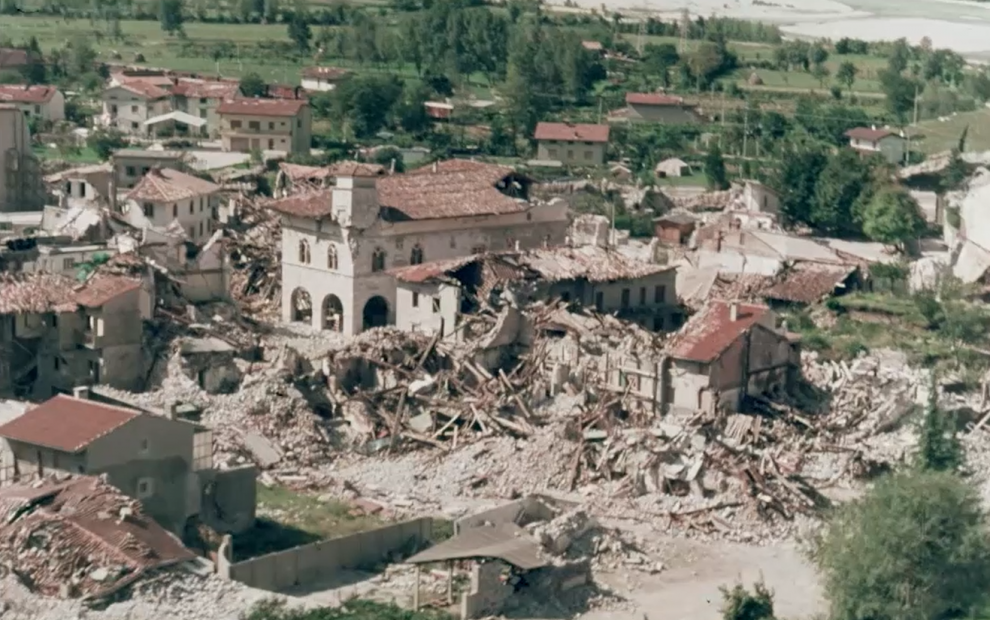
x=301 y=309
x=375 y=312
x=333 y=313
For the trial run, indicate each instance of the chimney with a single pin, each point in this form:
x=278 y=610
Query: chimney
x=113 y=184
x=436 y=166
x=873 y=127
x=517 y=245
x=173 y=410
x=733 y=312
x=81 y=392
x=391 y=167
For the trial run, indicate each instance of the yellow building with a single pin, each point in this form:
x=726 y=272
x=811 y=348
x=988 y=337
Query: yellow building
x=266 y=124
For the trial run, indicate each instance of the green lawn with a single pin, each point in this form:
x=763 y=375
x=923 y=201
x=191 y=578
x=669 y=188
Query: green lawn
x=288 y=518
x=84 y=156
x=933 y=135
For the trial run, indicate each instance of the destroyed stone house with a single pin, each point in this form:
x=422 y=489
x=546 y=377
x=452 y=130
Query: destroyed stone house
x=339 y=243
x=81 y=538
x=169 y=198
x=131 y=165
x=726 y=351
x=56 y=334
x=432 y=297
x=164 y=462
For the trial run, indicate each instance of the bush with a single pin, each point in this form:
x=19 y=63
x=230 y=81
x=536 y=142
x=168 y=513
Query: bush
x=739 y=604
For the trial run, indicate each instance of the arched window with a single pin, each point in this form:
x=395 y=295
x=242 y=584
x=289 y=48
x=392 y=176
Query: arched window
x=378 y=260
x=416 y=256
x=304 y=251
x=332 y=257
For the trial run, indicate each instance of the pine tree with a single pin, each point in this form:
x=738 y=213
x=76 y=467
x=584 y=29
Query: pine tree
x=938 y=447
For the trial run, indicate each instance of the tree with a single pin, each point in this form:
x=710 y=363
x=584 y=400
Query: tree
x=299 y=31
x=938 y=447
x=739 y=604
x=900 y=92
x=846 y=73
x=837 y=191
x=389 y=157
x=820 y=72
x=367 y=102
x=797 y=179
x=253 y=86
x=500 y=141
x=715 y=174
x=892 y=217
x=170 y=17
x=105 y=141
x=914 y=548
x=900 y=55
x=955 y=174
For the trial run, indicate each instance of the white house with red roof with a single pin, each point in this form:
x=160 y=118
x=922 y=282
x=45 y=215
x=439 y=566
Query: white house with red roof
x=870 y=140
x=37 y=101
x=168 y=198
x=339 y=243
x=572 y=144
x=127 y=105
x=266 y=124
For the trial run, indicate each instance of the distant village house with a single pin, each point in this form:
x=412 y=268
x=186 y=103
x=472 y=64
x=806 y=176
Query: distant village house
x=572 y=144
x=870 y=140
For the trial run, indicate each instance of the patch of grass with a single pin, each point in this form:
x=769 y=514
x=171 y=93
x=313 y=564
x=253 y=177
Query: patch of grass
x=877 y=303
x=292 y=518
x=693 y=179
x=933 y=135
x=84 y=156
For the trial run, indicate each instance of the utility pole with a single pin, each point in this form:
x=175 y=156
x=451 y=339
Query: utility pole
x=600 y=103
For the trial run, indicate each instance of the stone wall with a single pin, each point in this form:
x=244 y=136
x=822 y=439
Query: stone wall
x=310 y=563
x=487 y=593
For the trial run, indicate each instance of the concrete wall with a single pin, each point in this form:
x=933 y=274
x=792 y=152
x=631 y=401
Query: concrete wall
x=228 y=498
x=572 y=153
x=307 y=564
x=521 y=512
x=416 y=308
x=487 y=593
x=132 y=109
x=130 y=169
x=244 y=132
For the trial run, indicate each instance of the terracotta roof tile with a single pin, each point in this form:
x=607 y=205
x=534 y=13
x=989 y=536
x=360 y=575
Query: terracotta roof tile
x=588 y=262
x=808 y=283
x=12 y=57
x=22 y=93
x=298 y=172
x=262 y=107
x=168 y=185
x=314 y=204
x=144 y=89
x=36 y=293
x=424 y=272
x=354 y=169
x=438 y=195
x=710 y=332
x=867 y=133
x=101 y=288
x=592 y=46
x=454 y=165
x=83 y=520
x=653 y=99
x=568 y=132
x=66 y=423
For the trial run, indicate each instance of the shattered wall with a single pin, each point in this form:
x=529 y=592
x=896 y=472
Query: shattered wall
x=430 y=308
x=487 y=593
x=310 y=563
x=122 y=358
x=228 y=498
x=521 y=512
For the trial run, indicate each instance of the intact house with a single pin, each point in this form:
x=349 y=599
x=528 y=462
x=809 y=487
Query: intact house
x=727 y=351
x=266 y=124
x=201 y=99
x=656 y=108
x=572 y=144
x=434 y=297
x=45 y=103
x=339 y=243
x=56 y=334
x=322 y=79
x=126 y=107
x=164 y=462
x=870 y=140
x=167 y=198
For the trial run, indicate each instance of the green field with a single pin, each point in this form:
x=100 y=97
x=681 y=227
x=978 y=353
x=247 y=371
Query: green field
x=932 y=136
x=746 y=51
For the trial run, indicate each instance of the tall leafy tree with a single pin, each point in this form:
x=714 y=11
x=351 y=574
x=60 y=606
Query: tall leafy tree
x=715 y=174
x=892 y=217
x=797 y=179
x=914 y=548
x=299 y=31
x=846 y=73
x=170 y=17
x=837 y=190
x=252 y=85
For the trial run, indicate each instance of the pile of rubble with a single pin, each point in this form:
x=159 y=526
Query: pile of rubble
x=253 y=239
x=80 y=537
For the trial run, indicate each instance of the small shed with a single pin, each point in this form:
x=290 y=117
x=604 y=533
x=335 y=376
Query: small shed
x=675 y=228
x=673 y=167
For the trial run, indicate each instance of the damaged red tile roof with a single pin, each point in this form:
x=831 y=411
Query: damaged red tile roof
x=206 y=89
x=66 y=423
x=35 y=293
x=467 y=192
x=262 y=107
x=652 y=99
x=144 y=89
x=101 y=288
x=456 y=165
x=22 y=93
x=89 y=525
x=808 y=284
x=567 y=132
x=589 y=262
x=417 y=274
x=168 y=185
x=298 y=172
x=313 y=204
x=354 y=169
x=710 y=332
